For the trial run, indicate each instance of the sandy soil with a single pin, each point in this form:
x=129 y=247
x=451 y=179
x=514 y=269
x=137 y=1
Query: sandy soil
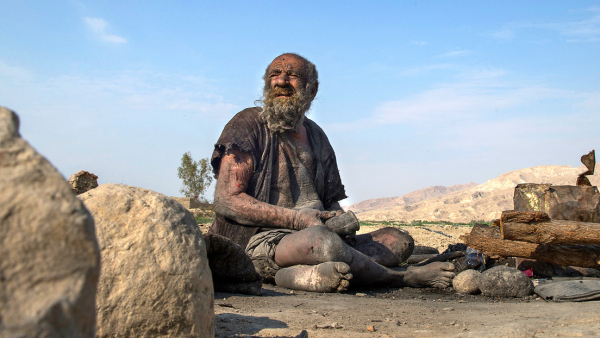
x=404 y=312
x=399 y=313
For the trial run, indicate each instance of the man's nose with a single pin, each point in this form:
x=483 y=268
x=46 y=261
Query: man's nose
x=282 y=80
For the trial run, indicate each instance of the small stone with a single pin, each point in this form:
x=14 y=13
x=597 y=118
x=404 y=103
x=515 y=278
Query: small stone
x=303 y=334
x=371 y=328
x=462 y=301
x=448 y=309
x=83 y=181
x=504 y=281
x=361 y=294
x=467 y=282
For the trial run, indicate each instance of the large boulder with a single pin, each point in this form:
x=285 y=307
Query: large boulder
x=155 y=279
x=504 y=281
x=49 y=257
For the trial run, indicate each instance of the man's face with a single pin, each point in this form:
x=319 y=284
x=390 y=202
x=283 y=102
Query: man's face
x=286 y=97
x=287 y=75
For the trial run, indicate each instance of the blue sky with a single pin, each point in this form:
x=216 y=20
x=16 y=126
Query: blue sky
x=412 y=94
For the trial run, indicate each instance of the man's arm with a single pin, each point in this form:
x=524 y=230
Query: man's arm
x=231 y=200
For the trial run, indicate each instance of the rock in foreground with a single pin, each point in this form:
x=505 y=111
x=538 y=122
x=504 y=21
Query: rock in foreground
x=467 y=282
x=155 y=279
x=49 y=257
x=504 y=281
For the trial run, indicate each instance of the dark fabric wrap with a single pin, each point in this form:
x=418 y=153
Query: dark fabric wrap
x=246 y=132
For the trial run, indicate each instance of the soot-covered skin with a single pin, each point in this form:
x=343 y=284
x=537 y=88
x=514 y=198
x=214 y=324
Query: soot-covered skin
x=232 y=270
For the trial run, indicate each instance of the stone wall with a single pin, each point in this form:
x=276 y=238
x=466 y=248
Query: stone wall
x=190 y=203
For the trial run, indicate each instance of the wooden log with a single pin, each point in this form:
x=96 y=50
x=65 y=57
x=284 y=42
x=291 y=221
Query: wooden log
x=489 y=241
x=524 y=216
x=552 y=232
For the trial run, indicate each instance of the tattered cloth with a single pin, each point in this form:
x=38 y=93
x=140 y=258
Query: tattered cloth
x=246 y=132
x=261 y=250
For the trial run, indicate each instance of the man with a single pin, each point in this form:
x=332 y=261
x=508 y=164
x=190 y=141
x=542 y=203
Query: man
x=278 y=181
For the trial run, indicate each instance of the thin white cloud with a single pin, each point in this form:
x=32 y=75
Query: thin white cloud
x=477 y=94
x=456 y=53
x=503 y=34
x=99 y=27
x=577 y=31
x=585 y=30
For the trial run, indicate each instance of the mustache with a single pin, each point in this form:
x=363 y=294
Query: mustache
x=284 y=90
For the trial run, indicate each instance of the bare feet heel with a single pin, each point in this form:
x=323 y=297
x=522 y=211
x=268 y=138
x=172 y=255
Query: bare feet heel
x=437 y=275
x=324 y=277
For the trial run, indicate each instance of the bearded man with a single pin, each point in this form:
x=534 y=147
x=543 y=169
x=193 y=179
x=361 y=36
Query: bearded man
x=278 y=181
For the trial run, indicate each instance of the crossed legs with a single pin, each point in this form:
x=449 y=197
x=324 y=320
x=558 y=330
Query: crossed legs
x=316 y=259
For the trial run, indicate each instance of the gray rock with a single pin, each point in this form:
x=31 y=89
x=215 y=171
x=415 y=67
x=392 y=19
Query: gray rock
x=504 y=281
x=49 y=257
x=467 y=282
x=155 y=279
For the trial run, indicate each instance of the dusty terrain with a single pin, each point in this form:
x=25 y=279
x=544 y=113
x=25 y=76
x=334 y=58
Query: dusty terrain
x=482 y=202
x=399 y=313
x=404 y=312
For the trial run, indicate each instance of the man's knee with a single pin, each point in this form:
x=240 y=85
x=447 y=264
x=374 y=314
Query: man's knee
x=326 y=245
x=400 y=242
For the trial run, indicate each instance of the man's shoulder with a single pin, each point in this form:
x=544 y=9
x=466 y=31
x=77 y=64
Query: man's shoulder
x=249 y=114
x=314 y=127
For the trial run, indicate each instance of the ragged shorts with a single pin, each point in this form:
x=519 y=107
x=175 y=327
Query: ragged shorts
x=261 y=249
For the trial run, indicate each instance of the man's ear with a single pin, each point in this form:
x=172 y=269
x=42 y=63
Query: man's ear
x=315 y=90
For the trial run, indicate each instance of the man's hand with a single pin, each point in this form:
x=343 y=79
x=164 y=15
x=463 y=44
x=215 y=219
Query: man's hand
x=309 y=217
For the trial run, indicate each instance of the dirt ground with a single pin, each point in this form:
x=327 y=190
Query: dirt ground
x=406 y=312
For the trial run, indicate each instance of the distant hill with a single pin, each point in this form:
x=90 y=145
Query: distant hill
x=410 y=198
x=479 y=202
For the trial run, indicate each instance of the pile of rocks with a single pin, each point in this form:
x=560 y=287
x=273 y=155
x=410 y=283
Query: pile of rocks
x=499 y=281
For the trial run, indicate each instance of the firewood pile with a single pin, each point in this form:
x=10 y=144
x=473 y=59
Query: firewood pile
x=555 y=224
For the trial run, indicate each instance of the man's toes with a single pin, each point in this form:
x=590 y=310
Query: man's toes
x=448 y=274
x=342 y=268
x=344 y=284
x=448 y=266
x=348 y=276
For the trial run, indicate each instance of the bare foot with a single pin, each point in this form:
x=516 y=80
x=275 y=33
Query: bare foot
x=437 y=275
x=324 y=277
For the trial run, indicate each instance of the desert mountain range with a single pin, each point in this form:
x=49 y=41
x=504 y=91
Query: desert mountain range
x=465 y=202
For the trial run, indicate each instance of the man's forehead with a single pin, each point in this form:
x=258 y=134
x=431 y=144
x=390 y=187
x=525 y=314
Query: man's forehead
x=288 y=62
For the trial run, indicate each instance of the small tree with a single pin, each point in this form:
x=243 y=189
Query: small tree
x=196 y=176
